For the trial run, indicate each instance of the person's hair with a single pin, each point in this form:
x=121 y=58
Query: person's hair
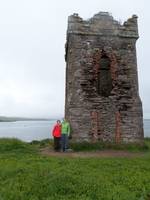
x=58 y=121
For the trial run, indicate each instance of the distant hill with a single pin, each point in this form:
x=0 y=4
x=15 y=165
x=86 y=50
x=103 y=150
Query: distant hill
x=13 y=119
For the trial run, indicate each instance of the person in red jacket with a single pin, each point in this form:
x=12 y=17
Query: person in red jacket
x=57 y=135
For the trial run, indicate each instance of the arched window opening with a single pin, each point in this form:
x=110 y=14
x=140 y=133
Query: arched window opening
x=104 y=76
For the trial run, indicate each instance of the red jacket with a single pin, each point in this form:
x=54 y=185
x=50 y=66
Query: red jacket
x=57 y=131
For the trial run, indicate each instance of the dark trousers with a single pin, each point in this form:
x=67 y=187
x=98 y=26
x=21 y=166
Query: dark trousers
x=57 y=145
x=64 y=142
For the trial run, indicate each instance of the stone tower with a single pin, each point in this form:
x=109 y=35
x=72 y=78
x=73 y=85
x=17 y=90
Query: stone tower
x=102 y=95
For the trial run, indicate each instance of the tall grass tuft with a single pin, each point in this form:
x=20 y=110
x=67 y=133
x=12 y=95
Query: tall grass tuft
x=14 y=145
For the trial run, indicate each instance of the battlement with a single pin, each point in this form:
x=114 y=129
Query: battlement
x=103 y=23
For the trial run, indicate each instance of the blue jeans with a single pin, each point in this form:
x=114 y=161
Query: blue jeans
x=64 y=141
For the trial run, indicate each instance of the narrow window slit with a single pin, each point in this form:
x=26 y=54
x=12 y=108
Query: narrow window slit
x=104 y=84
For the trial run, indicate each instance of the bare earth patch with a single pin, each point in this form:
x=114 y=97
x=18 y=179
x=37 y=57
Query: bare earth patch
x=98 y=154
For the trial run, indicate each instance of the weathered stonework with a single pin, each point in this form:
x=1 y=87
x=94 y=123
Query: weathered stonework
x=102 y=97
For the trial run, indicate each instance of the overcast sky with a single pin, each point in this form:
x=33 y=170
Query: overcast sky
x=32 y=38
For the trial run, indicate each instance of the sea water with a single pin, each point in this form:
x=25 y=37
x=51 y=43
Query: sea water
x=27 y=130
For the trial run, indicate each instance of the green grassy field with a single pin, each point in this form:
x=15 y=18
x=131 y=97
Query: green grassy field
x=27 y=175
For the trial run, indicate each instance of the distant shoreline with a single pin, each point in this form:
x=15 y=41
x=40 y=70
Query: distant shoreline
x=14 y=119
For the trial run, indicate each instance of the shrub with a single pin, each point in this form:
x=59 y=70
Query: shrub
x=42 y=143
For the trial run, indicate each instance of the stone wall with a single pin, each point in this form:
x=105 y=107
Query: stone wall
x=102 y=97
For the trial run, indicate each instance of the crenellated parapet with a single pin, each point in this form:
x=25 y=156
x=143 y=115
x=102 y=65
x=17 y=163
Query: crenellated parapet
x=102 y=24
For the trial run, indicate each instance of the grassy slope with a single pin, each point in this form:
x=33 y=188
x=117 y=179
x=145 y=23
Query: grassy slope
x=26 y=175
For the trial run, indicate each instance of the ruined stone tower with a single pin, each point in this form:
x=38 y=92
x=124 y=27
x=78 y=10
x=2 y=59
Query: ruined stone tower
x=102 y=97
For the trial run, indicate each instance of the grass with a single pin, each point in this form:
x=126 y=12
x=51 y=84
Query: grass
x=96 y=146
x=27 y=175
x=86 y=146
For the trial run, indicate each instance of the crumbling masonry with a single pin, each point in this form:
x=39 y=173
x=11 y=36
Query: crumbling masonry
x=102 y=97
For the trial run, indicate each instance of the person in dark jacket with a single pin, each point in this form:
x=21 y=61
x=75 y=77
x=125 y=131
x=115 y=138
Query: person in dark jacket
x=57 y=135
